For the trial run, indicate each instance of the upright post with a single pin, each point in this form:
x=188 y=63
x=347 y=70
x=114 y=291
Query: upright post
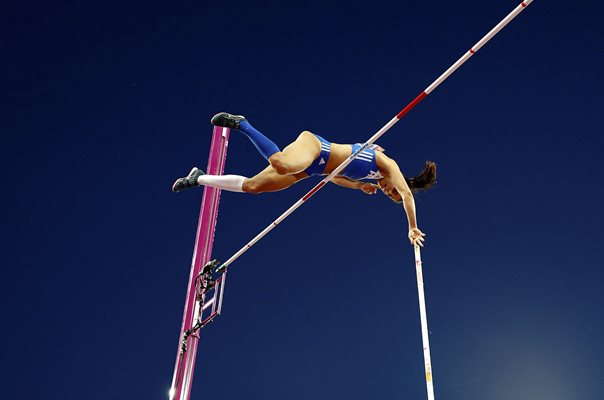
x=424 y=323
x=202 y=253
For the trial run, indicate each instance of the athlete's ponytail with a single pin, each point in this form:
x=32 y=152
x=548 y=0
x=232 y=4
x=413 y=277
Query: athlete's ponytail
x=425 y=180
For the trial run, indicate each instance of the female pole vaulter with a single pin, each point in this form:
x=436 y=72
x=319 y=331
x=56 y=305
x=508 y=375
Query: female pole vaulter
x=311 y=155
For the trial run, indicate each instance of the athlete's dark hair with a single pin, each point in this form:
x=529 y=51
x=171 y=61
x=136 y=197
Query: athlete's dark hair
x=425 y=180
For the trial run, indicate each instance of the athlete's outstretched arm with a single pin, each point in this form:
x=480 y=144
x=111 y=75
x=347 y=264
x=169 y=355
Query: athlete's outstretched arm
x=392 y=172
x=366 y=187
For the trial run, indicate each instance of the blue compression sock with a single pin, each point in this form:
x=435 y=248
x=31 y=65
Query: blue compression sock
x=264 y=145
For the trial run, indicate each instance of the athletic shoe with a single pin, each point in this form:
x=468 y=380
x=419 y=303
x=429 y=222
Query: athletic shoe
x=227 y=120
x=189 y=181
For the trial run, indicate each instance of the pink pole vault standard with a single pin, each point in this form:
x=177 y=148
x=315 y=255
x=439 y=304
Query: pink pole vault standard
x=187 y=348
x=379 y=133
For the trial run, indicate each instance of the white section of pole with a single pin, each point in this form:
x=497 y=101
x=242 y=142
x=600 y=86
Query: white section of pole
x=424 y=323
x=499 y=26
x=478 y=45
x=448 y=72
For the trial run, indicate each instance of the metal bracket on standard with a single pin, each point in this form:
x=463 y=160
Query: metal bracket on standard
x=209 y=291
x=205 y=281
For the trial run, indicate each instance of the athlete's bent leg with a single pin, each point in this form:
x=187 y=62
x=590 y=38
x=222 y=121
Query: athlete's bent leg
x=297 y=156
x=264 y=145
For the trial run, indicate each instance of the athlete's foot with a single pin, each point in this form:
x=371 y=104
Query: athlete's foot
x=189 y=181
x=227 y=120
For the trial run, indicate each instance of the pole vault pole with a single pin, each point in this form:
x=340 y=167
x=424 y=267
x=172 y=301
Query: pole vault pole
x=424 y=323
x=384 y=129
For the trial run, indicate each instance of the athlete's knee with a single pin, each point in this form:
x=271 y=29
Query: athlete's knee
x=252 y=186
x=281 y=164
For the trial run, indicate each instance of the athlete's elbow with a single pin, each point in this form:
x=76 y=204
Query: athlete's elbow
x=406 y=194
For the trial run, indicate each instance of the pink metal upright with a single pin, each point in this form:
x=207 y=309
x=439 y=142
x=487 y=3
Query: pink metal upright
x=202 y=253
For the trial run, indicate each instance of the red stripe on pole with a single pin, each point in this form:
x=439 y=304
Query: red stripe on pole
x=313 y=190
x=411 y=105
x=472 y=51
x=524 y=5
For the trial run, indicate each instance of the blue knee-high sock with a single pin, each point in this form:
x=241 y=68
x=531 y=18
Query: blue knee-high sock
x=264 y=145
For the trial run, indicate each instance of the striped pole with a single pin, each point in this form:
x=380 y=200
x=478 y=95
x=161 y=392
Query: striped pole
x=384 y=129
x=424 y=322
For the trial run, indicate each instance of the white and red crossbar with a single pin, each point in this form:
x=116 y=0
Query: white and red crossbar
x=384 y=129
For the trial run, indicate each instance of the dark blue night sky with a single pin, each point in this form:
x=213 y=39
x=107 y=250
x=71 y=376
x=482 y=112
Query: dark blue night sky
x=104 y=104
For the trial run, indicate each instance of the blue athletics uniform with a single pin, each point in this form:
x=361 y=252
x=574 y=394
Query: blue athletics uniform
x=362 y=167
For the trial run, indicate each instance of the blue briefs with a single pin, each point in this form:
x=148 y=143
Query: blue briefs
x=318 y=166
x=363 y=166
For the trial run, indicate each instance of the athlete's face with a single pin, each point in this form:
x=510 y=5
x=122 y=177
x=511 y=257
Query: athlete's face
x=389 y=190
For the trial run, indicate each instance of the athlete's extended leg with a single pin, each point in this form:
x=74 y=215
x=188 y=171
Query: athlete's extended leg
x=266 y=181
x=269 y=180
x=197 y=177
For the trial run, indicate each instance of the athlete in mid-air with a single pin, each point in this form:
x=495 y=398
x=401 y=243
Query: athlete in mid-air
x=311 y=155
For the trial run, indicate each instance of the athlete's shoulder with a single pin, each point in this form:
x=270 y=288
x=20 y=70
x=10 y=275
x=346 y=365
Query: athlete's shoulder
x=385 y=163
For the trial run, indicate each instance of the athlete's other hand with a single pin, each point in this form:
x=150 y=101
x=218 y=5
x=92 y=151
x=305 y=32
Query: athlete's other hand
x=369 y=188
x=416 y=237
